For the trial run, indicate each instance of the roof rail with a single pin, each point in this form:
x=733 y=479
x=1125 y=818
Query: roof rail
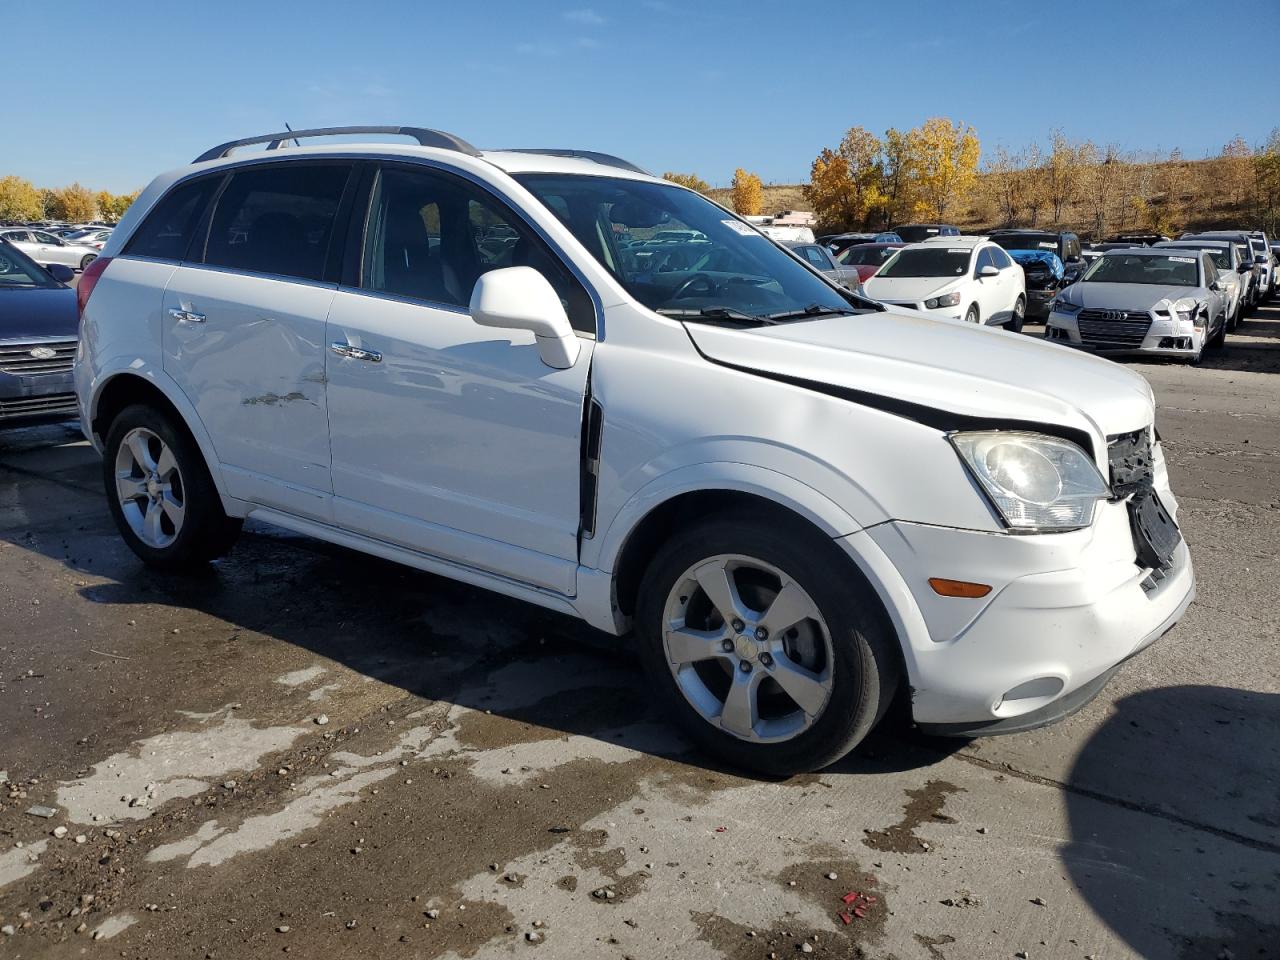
x=606 y=159
x=425 y=138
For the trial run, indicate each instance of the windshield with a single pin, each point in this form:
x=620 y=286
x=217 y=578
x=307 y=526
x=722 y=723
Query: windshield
x=18 y=270
x=1028 y=241
x=1170 y=271
x=681 y=255
x=927 y=262
x=866 y=255
x=1221 y=255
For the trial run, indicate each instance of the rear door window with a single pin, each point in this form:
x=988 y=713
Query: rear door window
x=170 y=227
x=278 y=220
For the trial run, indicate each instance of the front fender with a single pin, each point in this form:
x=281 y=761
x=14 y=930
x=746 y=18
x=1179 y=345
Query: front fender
x=602 y=552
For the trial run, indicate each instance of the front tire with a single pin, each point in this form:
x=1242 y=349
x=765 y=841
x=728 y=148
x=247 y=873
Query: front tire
x=161 y=496
x=971 y=315
x=766 y=643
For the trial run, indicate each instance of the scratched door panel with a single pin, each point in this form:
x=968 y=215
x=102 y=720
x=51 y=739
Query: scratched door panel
x=254 y=368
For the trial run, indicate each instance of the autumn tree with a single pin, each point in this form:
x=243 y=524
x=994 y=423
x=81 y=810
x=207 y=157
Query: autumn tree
x=690 y=180
x=71 y=203
x=830 y=191
x=1101 y=183
x=845 y=183
x=19 y=200
x=1234 y=173
x=748 y=193
x=897 y=173
x=1266 y=173
x=945 y=156
x=1007 y=182
x=1063 y=172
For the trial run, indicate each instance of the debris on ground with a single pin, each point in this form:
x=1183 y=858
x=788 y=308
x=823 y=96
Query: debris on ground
x=40 y=810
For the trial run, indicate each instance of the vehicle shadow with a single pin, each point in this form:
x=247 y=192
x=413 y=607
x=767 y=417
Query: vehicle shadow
x=434 y=638
x=1195 y=874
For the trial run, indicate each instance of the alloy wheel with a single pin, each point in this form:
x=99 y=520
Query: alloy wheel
x=748 y=648
x=149 y=488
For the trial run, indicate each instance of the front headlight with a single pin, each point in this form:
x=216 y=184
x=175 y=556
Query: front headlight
x=1063 y=306
x=946 y=300
x=1037 y=483
x=1186 y=310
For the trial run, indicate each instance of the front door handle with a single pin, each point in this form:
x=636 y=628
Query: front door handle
x=355 y=353
x=186 y=316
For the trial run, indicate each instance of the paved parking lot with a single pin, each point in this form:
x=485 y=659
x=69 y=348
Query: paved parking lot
x=310 y=750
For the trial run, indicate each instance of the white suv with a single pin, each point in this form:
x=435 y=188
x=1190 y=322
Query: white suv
x=798 y=503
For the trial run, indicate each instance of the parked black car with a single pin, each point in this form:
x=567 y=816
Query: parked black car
x=1065 y=244
x=39 y=325
x=919 y=232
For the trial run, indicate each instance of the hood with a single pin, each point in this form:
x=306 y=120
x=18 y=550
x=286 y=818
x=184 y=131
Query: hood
x=28 y=312
x=1128 y=296
x=908 y=288
x=946 y=365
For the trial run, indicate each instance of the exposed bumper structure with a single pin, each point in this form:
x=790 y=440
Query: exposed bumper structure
x=1134 y=334
x=1064 y=611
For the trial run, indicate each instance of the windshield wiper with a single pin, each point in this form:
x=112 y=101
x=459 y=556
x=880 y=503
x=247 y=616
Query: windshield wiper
x=717 y=314
x=812 y=310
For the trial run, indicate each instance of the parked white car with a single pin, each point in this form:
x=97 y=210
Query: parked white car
x=44 y=248
x=969 y=278
x=800 y=504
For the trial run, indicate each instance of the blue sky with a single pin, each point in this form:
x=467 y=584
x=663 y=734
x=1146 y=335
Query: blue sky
x=115 y=94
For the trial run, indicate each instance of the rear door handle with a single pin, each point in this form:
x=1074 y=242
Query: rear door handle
x=186 y=316
x=355 y=353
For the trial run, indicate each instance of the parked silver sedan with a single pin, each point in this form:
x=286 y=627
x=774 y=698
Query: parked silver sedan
x=819 y=257
x=45 y=249
x=1144 y=300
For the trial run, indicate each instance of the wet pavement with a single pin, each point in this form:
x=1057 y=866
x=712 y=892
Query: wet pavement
x=311 y=751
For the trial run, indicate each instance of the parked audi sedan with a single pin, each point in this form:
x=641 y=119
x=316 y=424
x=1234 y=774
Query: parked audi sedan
x=45 y=249
x=38 y=330
x=1144 y=300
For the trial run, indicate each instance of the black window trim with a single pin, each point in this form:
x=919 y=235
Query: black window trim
x=352 y=272
x=201 y=223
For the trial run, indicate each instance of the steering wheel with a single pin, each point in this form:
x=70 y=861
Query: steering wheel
x=707 y=287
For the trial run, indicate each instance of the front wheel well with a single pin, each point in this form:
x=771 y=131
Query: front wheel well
x=643 y=543
x=123 y=391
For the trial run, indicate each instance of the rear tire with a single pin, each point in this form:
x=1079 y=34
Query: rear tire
x=1014 y=323
x=87 y=259
x=160 y=493
x=840 y=657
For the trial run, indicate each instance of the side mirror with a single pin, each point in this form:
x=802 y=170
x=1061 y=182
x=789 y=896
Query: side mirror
x=988 y=271
x=520 y=298
x=1244 y=268
x=1216 y=286
x=61 y=272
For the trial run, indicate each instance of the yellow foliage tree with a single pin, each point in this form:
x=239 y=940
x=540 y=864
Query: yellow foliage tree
x=830 y=191
x=748 y=193
x=946 y=164
x=690 y=180
x=71 y=203
x=19 y=200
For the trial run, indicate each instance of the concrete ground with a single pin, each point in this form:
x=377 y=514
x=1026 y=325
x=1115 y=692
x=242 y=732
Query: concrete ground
x=307 y=750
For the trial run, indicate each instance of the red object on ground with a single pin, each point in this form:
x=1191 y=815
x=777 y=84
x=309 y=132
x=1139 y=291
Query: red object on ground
x=721 y=829
x=851 y=896
x=860 y=912
x=845 y=919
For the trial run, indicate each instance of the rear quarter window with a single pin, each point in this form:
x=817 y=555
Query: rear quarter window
x=169 y=228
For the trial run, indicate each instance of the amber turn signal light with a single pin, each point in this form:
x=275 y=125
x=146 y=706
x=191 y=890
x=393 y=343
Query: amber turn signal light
x=958 y=588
